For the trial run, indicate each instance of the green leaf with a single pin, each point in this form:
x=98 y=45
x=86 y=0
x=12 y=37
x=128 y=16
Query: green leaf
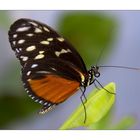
x=14 y=101
x=4 y=19
x=11 y=78
x=99 y=102
x=14 y=108
x=125 y=123
x=104 y=123
x=89 y=32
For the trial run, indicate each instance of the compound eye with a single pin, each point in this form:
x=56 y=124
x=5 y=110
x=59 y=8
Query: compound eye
x=97 y=74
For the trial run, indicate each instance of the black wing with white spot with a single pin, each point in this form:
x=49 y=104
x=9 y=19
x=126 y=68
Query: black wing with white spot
x=32 y=40
x=52 y=70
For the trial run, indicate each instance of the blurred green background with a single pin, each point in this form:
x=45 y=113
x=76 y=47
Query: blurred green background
x=89 y=32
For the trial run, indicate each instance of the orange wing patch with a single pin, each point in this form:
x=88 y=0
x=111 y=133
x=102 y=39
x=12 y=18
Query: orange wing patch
x=54 y=88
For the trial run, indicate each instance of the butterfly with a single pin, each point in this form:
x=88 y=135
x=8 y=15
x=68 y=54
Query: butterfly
x=52 y=69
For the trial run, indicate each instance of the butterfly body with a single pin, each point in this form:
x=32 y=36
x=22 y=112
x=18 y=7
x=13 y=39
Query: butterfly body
x=52 y=69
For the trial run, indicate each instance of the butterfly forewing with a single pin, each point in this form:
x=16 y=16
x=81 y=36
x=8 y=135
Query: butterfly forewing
x=52 y=70
x=33 y=40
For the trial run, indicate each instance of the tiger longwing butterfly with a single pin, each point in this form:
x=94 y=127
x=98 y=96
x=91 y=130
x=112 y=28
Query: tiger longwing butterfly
x=52 y=69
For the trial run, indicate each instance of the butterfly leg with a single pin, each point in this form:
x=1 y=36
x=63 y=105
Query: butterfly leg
x=83 y=94
x=84 y=108
x=95 y=80
x=83 y=102
x=96 y=85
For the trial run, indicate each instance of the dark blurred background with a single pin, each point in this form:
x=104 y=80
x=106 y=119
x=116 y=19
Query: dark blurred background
x=117 y=32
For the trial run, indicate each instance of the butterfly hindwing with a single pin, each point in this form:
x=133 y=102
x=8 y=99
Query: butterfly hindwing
x=50 y=84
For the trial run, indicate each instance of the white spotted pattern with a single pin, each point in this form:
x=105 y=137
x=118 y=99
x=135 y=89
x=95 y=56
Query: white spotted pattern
x=41 y=52
x=40 y=56
x=50 y=39
x=15 y=35
x=40 y=101
x=24 y=58
x=20 y=49
x=33 y=23
x=33 y=97
x=14 y=42
x=36 y=100
x=37 y=30
x=30 y=35
x=43 y=72
x=62 y=51
x=45 y=42
x=34 y=65
x=46 y=29
x=28 y=73
x=21 y=41
x=22 y=29
x=30 y=48
x=53 y=69
x=60 y=39
x=17 y=50
x=45 y=103
x=29 y=80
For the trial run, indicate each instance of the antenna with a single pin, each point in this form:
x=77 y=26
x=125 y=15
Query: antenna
x=122 y=67
x=98 y=58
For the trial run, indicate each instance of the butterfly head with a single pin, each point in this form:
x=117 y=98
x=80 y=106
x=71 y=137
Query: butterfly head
x=93 y=72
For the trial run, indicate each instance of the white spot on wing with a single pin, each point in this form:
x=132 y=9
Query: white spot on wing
x=39 y=56
x=40 y=101
x=53 y=69
x=28 y=73
x=45 y=103
x=20 y=49
x=22 y=29
x=60 y=39
x=17 y=50
x=50 y=39
x=15 y=35
x=24 y=58
x=45 y=42
x=21 y=41
x=30 y=35
x=36 y=100
x=43 y=72
x=41 y=52
x=33 y=97
x=29 y=80
x=30 y=48
x=34 y=65
x=62 y=51
x=37 y=30
x=14 y=42
x=33 y=23
x=46 y=29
